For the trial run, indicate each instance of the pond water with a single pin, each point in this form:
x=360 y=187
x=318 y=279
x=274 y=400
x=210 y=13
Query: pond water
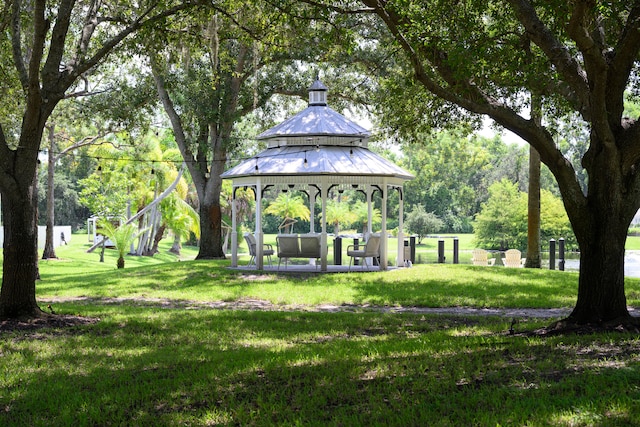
x=572 y=262
x=631 y=263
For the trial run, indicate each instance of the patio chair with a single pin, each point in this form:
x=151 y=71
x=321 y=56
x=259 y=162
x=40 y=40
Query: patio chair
x=310 y=247
x=371 y=249
x=288 y=247
x=481 y=257
x=513 y=258
x=251 y=243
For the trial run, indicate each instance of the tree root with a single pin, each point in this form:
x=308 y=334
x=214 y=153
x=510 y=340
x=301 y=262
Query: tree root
x=43 y=320
x=568 y=326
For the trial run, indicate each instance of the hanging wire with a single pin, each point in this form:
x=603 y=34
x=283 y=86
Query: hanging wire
x=101 y=158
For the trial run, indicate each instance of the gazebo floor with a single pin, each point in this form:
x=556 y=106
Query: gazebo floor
x=309 y=268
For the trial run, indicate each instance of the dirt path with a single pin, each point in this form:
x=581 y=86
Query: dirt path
x=255 y=304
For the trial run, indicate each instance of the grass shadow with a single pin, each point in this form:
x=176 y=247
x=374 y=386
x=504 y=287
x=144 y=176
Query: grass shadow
x=142 y=366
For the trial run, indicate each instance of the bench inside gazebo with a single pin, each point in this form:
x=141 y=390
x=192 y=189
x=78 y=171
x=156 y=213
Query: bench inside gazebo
x=318 y=151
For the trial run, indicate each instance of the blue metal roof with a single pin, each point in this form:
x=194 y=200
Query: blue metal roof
x=316 y=120
x=327 y=160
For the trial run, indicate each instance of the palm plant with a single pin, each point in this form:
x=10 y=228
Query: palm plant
x=290 y=208
x=121 y=236
x=361 y=211
x=338 y=212
x=181 y=219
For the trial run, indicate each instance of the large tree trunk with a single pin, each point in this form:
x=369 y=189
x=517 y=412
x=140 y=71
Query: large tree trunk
x=210 y=232
x=209 y=197
x=211 y=215
x=601 y=231
x=601 y=296
x=20 y=266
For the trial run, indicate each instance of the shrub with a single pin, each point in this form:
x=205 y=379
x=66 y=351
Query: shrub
x=502 y=221
x=422 y=223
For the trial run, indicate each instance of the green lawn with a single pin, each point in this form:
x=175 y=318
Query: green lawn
x=155 y=358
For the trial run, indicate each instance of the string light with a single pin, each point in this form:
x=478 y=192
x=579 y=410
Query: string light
x=101 y=158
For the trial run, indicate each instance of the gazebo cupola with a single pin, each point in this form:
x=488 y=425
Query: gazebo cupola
x=316 y=125
x=317 y=151
x=318 y=94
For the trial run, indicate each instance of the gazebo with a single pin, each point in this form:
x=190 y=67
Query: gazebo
x=318 y=151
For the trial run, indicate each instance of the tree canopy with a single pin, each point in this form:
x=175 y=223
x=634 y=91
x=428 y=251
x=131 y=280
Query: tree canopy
x=580 y=58
x=502 y=222
x=49 y=51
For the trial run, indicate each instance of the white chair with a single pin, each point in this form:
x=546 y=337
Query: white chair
x=371 y=249
x=513 y=258
x=481 y=257
x=251 y=243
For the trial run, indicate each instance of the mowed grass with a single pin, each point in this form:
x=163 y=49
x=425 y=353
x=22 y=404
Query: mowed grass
x=148 y=365
x=153 y=360
x=429 y=285
x=78 y=274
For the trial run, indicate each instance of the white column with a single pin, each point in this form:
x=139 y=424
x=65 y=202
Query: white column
x=323 y=237
x=383 y=233
x=312 y=204
x=369 y=209
x=234 y=231
x=400 y=256
x=259 y=235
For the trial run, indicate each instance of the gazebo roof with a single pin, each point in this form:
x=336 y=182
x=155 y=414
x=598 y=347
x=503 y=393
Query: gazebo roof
x=318 y=141
x=316 y=120
x=326 y=160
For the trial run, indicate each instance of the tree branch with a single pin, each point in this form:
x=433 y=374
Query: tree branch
x=591 y=49
x=331 y=7
x=90 y=23
x=87 y=140
x=51 y=70
x=596 y=67
x=6 y=154
x=626 y=54
x=16 y=45
x=468 y=96
x=84 y=65
x=174 y=118
x=565 y=64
